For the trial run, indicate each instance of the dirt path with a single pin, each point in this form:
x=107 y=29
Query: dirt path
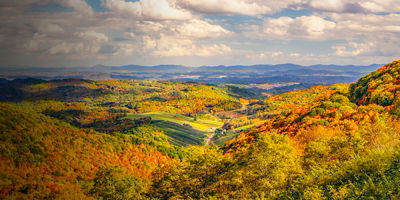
x=209 y=139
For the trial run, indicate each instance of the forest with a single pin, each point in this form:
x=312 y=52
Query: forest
x=126 y=139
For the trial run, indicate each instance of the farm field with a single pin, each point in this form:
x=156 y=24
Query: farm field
x=235 y=132
x=180 y=129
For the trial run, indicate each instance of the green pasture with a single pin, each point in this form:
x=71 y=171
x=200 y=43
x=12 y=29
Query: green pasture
x=180 y=129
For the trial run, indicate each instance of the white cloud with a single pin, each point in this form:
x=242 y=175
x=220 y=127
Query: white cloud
x=50 y=29
x=338 y=6
x=212 y=50
x=149 y=43
x=92 y=36
x=384 y=47
x=131 y=35
x=381 y=5
x=265 y=55
x=36 y=43
x=294 y=55
x=149 y=27
x=273 y=54
x=367 y=34
x=66 y=48
x=332 y=26
x=314 y=26
x=180 y=38
x=194 y=28
x=257 y=7
x=277 y=53
x=124 y=8
x=277 y=27
x=244 y=7
x=226 y=7
x=286 y=28
x=351 y=6
x=168 y=46
x=367 y=23
x=148 y=9
x=77 y=45
x=328 y=5
x=125 y=49
x=200 y=28
x=79 y=5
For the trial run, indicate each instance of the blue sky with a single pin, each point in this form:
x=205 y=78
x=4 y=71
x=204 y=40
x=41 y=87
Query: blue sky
x=53 y=33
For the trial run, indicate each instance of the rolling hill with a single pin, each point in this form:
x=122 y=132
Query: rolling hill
x=43 y=157
x=172 y=106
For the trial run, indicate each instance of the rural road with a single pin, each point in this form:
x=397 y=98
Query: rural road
x=209 y=139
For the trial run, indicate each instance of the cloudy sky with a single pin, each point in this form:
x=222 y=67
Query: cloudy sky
x=54 y=33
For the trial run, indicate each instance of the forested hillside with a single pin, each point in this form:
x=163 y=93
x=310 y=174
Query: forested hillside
x=42 y=157
x=77 y=139
x=109 y=106
x=139 y=96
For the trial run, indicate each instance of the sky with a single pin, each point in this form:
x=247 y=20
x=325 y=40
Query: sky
x=65 y=33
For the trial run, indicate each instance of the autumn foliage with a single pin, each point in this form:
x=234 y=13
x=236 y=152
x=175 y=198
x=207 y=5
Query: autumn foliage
x=331 y=142
x=42 y=157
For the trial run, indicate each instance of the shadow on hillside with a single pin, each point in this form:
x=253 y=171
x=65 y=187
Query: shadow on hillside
x=13 y=91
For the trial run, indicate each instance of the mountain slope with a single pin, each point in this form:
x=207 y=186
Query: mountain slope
x=42 y=157
x=319 y=145
x=380 y=87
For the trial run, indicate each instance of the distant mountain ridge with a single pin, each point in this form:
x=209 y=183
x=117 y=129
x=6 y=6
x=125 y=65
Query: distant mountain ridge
x=234 y=74
x=286 y=66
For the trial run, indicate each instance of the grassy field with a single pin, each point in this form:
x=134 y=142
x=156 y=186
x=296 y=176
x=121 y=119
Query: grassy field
x=226 y=138
x=235 y=132
x=180 y=129
x=199 y=124
x=248 y=127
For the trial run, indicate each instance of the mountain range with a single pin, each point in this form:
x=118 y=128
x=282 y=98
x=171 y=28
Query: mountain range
x=216 y=75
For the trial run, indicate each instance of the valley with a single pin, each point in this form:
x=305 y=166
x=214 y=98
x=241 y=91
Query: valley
x=199 y=100
x=146 y=139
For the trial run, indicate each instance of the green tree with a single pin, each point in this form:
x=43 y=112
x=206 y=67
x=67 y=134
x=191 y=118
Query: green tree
x=110 y=184
x=270 y=166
